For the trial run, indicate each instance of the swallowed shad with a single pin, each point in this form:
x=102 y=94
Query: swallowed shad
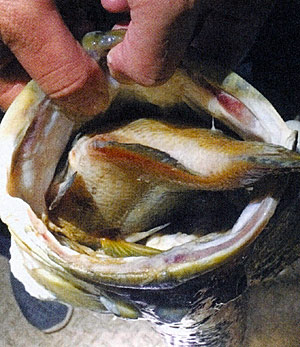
x=119 y=185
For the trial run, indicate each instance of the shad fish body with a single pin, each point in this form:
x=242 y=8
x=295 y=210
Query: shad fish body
x=119 y=181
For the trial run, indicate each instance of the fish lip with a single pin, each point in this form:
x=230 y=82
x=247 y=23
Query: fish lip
x=165 y=270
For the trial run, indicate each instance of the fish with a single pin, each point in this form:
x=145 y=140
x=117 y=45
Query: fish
x=188 y=284
x=118 y=183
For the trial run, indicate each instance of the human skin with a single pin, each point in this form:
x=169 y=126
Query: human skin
x=157 y=36
x=159 y=32
x=37 y=36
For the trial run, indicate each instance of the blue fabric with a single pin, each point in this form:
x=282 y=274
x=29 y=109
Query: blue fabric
x=4 y=240
x=43 y=315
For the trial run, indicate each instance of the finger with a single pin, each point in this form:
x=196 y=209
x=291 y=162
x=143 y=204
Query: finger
x=157 y=36
x=36 y=34
x=115 y=6
x=9 y=90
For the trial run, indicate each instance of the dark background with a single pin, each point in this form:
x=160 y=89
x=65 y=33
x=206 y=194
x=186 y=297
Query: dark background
x=275 y=59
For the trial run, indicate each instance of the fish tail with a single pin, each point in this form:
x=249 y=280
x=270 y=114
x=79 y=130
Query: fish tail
x=276 y=159
x=272 y=160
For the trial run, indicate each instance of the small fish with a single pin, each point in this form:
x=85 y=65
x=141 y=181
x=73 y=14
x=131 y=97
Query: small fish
x=133 y=175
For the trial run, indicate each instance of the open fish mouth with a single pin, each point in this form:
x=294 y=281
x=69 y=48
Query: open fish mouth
x=130 y=240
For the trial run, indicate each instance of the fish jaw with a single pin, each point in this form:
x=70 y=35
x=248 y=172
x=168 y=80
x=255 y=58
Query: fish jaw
x=37 y=132
x=171 y=267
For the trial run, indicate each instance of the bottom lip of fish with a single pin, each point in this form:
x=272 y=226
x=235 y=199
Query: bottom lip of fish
x=169 y=268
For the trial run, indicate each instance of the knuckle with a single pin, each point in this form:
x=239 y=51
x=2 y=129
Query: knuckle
x=64 y=80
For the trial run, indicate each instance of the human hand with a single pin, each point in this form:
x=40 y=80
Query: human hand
x=160 y=30
x=34 y=33
x=156 y=38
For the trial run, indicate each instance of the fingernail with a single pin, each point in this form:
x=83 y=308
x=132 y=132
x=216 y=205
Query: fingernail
x=119 y=76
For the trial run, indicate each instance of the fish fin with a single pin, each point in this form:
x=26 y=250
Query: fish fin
x=121 y=249
x=143 y=234
x=276 y=158
x=150 y=163
x=61 y=189
x=268 y=160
